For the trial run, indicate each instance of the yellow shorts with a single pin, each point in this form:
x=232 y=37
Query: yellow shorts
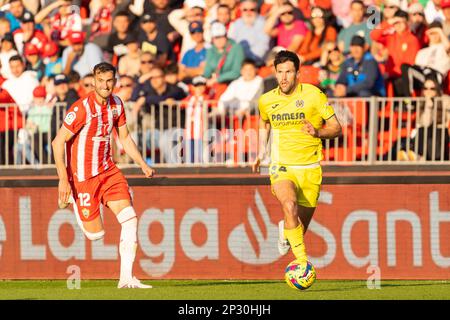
x=307 y=182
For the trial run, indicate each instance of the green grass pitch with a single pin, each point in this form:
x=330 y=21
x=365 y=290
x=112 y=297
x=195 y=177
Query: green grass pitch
x=226 y=290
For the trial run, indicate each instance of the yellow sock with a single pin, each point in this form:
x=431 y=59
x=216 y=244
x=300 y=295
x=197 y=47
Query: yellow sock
x=295 y=238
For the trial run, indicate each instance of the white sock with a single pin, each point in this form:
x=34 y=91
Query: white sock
x=128 y=242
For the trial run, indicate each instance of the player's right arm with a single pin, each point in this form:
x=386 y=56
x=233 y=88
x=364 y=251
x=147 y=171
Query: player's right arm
x=58 y=145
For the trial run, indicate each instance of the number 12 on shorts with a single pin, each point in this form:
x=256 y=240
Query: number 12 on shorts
x=85 y=199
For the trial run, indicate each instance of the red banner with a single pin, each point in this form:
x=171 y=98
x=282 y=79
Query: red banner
x=230 y=232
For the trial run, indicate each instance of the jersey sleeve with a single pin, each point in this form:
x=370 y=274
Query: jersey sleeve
x=75 y=118
x=326 y=111
x=121 y=120
x=262 y=109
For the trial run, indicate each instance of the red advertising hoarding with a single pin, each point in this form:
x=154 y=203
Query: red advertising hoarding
x=230 y=232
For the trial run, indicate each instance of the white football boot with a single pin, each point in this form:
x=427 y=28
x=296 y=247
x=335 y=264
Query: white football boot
x=283 y=243
x=134 y=283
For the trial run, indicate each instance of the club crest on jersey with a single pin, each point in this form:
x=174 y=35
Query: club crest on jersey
x=70 y=118
x=299 y=103
x=115 y=113
x=85 y=212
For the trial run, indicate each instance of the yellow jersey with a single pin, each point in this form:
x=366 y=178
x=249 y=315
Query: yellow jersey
x=291 y=146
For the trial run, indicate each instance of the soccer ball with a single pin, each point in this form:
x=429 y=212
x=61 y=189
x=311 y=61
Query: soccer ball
x=300 y=274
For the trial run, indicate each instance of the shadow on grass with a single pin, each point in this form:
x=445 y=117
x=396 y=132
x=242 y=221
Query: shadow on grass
x=224 y=283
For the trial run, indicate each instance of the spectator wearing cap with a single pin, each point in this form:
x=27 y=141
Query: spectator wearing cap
x=7 y=50
x=52 y=60
x=33 y=61
x=433 y=11
x=241 y=96
x=193 y=61
x=153 y=41
x=417 y=22
x=401 y=44
x=80 y=56
x=129 y=64
x=14 y=10
x=223 y=60
x=244 y=29
x=28 y=33
x=22 y=83
x=197 y=106
x=321 y=32
x=359 y=26
x=180 y=19
x=360 y=75
x=63 y=20
x=121 y=25
x=432 y=61
x=63 y=99
x=283 y=26
x=38 y=126
x=445 y=5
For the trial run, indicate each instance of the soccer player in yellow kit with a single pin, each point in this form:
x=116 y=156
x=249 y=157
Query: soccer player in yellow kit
x=295 y=113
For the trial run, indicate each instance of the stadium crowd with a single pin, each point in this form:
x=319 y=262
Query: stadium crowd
x=208 y=50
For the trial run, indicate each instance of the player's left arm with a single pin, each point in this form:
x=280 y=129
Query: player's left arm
x=131 y=149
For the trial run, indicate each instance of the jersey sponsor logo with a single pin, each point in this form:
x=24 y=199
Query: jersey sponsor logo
x=70 y=118
x=288 y=116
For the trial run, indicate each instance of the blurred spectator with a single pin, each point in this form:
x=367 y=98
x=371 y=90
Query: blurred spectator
x=52 y=60
x=445 y=4
x=9 y=116
x=433 y=125
x=63 y=100
x=223 y=15
x=180 y=19
x=360 y=76
x=211 y=7
x=7 y=50
x=38 y=126
x=86 y=85
x=432 y=61
x=197 y=111
x=101 y=25
x=267 y=72
x=417 y=22
x=74 y=81
x=5 y=27
x=147 y=63
x=283 y=26
x=244 y=29
x=121 y=24
x=306 y=6
x=193 y=61
x=33 y=61
x=223 y=60
x=154 y=41
x=14 y=13
x=234 y=8
x=63 y=20
x=171 y=74
x=401 y=44
x=241 y=96
x=22 y=83
x=321 y=32
x=28 y=33
x=359 y=26
x=80 y=56
x=129 y=63
x=331 y=62
x=390 y=8
x=159 y=10
x=433 y=11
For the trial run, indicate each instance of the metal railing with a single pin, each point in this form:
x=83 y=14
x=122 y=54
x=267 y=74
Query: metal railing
x=375 y=131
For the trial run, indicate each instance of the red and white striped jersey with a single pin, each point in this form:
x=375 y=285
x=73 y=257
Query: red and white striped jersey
x=89 y=151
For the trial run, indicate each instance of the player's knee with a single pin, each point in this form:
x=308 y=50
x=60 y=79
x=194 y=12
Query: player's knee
x=127 y=215
x=95 y=235
x=290 y=207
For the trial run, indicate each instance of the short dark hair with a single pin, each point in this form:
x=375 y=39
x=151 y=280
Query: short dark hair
x=284 y=56
x=248 y=61
x=224 y=6
x=358 y=2
x=171 y=68
x=73 y=76
x=122 y=13
x=103 y=67
x=15 y=58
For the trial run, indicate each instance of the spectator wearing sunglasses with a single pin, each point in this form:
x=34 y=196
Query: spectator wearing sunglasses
x=248 y=31
x=288 y=31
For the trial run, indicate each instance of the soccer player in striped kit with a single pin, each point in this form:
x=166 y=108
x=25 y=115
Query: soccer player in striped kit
x=91 y=177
